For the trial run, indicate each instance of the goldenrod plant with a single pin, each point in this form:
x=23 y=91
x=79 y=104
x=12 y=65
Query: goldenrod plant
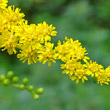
x=32 y=43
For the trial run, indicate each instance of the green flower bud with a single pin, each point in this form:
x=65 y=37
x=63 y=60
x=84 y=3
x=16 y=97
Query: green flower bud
x=30 y=88
x=35 y=96
x=15 y=79
x=25 y=81
x=10 y=74
x=22 y=87
x=39 y=91
x=6 y=82
x=2 y=77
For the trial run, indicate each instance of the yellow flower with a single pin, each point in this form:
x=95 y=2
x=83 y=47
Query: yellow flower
x=80 y=74
x=28 y=36
x=103 y=77
x=93 y=67
x=10 y=17
x=13 y=15
x=8 y=41
x=29 y=55
x=46 y=31
x=47 y=54
x=2 y=22
x=70 y=66
x=70 y=50
x=3 y=3
x=62 y=51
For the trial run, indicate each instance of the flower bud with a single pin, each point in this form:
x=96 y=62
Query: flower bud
x=15 y=79
x=6 y=82
x=30 y=88
x=22 y=87
x=25 y=81
x=2 y=77
x=39 y=91
x=35 y=96
x=10 y=74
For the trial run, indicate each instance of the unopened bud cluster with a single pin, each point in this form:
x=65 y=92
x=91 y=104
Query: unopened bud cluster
x=11 y=79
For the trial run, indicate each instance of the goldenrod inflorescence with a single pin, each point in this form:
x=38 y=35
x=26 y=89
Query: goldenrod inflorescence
x=32 y=43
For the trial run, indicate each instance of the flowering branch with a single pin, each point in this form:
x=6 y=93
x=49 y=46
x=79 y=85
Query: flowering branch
x=33 y=43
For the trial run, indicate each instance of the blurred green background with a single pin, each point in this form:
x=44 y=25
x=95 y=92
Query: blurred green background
x=85 y=20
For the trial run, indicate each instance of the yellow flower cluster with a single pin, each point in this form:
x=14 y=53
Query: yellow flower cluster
x=32 y=43
x=77 y=65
